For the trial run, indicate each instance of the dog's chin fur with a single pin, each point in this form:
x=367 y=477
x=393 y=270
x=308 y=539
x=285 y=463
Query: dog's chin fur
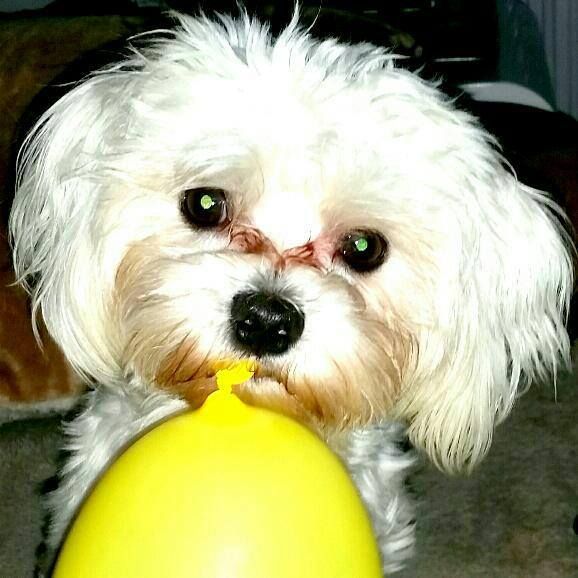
x=310 y=139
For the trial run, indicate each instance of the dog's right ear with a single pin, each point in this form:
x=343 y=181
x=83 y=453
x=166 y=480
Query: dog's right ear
x=507 y=328
x=58 y=183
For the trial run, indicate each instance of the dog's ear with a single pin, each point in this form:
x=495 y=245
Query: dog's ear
x=55 y=249
x=501 y=324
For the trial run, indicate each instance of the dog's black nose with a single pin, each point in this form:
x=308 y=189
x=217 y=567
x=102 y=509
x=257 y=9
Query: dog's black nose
x=263 y=323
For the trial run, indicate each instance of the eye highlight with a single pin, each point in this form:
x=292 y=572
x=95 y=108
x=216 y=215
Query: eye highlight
x=205 y=207
x=363 y=250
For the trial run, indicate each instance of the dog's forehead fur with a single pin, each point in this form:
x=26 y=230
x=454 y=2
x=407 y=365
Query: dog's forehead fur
x=235 y=92
x=305 y=132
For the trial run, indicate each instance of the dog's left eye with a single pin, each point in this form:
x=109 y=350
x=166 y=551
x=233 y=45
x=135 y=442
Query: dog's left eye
x=205 y=207
x=363 y=250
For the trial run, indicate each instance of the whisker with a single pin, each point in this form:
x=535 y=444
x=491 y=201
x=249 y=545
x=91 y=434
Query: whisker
x=181 y=359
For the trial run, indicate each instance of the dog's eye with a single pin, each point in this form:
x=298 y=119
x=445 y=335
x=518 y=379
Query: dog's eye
x=362 y=250
x=205 y=207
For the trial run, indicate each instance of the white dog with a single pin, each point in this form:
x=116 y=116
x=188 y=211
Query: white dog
x=305 y=203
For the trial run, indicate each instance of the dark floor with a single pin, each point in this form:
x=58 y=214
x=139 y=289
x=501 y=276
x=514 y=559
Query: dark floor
x=513 y=517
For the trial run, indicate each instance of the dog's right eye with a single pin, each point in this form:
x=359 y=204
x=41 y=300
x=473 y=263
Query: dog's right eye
x=363 y=250
x=205 y=207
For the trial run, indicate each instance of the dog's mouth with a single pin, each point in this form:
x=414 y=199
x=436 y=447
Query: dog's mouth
x=332 y=401
x=268 y=386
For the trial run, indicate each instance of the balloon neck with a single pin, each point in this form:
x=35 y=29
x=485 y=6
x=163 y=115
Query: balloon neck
x=223 y=406
x=234 y=373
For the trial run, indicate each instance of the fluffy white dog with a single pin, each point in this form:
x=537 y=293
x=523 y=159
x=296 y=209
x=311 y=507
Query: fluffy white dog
x=226 y=194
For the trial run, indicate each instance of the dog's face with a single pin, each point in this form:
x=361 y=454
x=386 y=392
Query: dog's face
x=306 y=204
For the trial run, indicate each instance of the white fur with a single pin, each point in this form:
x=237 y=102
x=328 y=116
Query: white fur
x=312 y=139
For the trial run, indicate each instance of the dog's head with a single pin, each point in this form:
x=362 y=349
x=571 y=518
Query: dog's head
x=225 y=194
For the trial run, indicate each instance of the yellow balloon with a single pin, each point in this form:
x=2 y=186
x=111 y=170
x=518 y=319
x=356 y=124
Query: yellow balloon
x=227 y=491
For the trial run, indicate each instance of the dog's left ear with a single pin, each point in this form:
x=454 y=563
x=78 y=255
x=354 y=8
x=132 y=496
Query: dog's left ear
x=501 y=326
x=58 y=253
